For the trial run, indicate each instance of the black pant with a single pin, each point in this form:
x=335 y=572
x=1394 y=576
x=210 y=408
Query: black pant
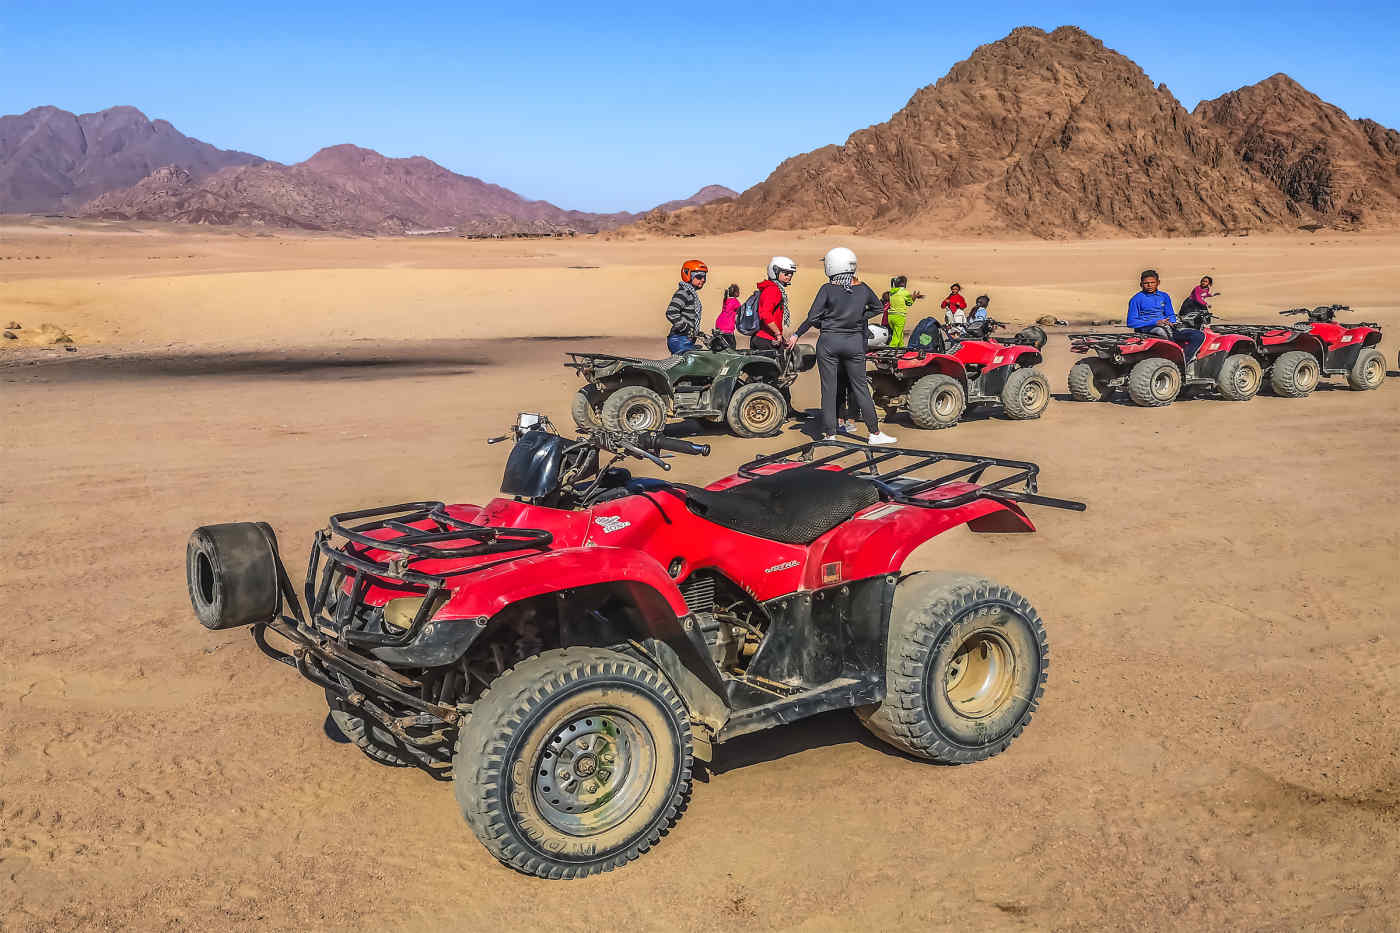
x=761 y=341
x=844 y=354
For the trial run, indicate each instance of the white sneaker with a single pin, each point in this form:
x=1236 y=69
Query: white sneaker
x=880 y=438
x=830 y=437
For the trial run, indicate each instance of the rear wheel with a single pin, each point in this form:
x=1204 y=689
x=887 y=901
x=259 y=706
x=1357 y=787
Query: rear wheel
x=936 y=401
x=1026 y=395
x=1089 y=381
x=965 y=668
x=1368 y=372
x=586 y=410
x=1240 y=378
x=1154 y=382
x=372 y=738
x=1294 y=374
x=757 y=410
x=634 y=408
x=574 y=762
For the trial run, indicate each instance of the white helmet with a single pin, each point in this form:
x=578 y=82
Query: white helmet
x=878 y=335
x=780 y=264
x=839 y=261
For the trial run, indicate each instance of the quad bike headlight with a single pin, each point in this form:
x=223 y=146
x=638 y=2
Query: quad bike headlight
x=400 y=613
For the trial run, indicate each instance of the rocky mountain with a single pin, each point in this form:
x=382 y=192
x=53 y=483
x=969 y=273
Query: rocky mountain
x=350 y=189
x=53 y=160
x=704 y=196
x=1050 y=134
x=1346 y=171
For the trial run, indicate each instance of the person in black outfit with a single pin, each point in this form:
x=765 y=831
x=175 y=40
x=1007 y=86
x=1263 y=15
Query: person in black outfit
x=840 y=311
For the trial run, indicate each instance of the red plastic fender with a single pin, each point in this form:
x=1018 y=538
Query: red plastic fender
x=492 y=590
x=878 y=539
x=1226 y=343
x=914 y=365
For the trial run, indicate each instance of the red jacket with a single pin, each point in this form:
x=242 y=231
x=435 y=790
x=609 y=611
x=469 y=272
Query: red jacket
x=770 y=308
x=954 y=303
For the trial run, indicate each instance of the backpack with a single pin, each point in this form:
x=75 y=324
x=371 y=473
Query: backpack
x=746 y=320
x=926 y=336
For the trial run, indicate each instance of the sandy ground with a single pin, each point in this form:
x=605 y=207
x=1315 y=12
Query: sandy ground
x=1217 y=747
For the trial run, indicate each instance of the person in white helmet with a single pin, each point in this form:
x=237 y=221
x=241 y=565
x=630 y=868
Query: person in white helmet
x=840 y=311
x=773 y=313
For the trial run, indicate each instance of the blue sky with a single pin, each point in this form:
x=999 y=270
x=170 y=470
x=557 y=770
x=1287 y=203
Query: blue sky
x=601 y=107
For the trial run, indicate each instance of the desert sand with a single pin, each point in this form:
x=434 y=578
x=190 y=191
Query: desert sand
x=1217 y=746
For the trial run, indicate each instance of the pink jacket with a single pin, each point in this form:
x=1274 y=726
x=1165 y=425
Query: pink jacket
x=728 y=317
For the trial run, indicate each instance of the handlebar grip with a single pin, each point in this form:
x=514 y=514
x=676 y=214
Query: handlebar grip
x=678 y=446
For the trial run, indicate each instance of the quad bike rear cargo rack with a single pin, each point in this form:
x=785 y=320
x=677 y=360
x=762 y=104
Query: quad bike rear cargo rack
x=1013 y=480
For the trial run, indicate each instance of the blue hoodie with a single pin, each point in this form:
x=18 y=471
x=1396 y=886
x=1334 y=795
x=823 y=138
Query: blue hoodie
x=1145 y=310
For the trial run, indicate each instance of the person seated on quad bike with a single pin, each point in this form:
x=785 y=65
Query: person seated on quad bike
x=840 y=311
x=900 y=301
x=685 y=310
x=773 y=313
x=1197 y=299
x=1150 y=313
x=979 y=310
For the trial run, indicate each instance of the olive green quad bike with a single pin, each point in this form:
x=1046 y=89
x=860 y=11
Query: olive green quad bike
x=744 y=389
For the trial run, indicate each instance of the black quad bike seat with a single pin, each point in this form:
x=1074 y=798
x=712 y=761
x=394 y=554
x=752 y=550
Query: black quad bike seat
x=795 y=506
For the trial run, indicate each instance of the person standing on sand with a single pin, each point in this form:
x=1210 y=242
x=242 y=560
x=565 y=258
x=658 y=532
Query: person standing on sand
x=840 y=311
x=773 y=313
x=1150 y=313
x=900 y=301
x=684 y=311
x=729 y=314
x=954 y=306
x=1197 y=299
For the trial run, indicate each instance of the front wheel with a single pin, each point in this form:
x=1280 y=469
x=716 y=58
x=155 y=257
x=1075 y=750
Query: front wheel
x=937 y=401
x=1240 y=378
x=372 y=738
x=965 y=668
x=757 y=410
x=574 y=762
x=1154 y=382
x=1026 y=395
x=1368 y=372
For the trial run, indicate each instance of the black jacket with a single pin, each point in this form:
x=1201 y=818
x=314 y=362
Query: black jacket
x=837 y=311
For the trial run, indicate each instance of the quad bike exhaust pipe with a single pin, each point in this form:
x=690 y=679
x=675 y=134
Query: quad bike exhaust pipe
x=231 y=572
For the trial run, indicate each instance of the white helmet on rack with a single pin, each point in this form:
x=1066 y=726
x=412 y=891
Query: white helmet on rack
x=780 y=264
x=839 y=261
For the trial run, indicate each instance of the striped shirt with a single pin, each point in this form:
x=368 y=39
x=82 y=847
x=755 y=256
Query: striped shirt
x=684 y=311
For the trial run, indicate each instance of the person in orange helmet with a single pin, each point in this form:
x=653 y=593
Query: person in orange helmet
x=684 y=311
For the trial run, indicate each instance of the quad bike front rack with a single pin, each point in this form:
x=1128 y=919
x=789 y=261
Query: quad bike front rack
x=892 y=469
x=441 y=541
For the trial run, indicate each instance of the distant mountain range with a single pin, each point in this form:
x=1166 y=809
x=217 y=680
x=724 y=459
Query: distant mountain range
x=118 y=164
x=1054 y=135
x=1048 y=134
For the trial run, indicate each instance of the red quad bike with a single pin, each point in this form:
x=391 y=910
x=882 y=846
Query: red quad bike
x=1296 y=357
x=1155 y=370
x=566 y=650
x=964 y=366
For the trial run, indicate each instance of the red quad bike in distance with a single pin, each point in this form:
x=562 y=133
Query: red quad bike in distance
x=964 y=366
x=1154 y=370
x=1296 y=357
x=566 y=650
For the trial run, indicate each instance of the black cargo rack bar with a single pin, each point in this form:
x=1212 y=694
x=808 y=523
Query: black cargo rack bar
x=352 y=562
x=1012 y=480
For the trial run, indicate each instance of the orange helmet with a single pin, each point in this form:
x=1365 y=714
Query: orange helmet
x=692 y=266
